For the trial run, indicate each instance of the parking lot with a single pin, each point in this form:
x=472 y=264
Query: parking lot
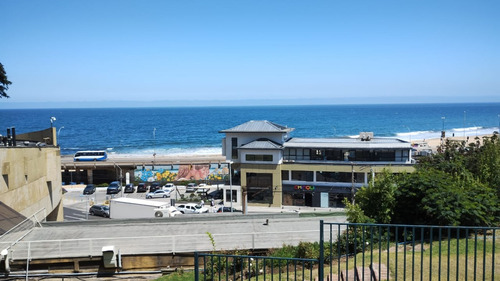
x=76 y=204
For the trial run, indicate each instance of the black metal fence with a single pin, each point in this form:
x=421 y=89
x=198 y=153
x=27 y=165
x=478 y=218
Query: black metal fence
x=372 y=252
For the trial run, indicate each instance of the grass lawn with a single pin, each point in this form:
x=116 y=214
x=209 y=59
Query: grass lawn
x=447 y=260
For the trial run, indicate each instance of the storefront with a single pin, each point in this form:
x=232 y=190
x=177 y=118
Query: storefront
x=315 y=195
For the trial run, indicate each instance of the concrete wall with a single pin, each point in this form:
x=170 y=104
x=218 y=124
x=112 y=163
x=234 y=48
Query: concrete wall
x=31 y=180
x=48 y=136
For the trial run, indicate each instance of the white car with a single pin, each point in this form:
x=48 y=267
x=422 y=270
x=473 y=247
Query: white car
x=191 y=208
x=169 y=189
x=169 y=185
x=165 y=211
x=190 y=187
x=158 y=194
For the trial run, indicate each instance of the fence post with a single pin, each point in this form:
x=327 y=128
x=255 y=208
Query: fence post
x=196 y=267
x=321 y=252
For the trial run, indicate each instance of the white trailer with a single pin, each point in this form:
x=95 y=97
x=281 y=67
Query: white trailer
x=132 y=208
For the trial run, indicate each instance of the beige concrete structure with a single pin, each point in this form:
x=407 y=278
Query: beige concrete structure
x=31 y=174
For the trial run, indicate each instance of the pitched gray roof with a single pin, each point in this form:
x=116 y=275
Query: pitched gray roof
x=261 y=144
x=255 y=126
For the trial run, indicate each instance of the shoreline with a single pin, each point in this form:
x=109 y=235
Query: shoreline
x=434 y=143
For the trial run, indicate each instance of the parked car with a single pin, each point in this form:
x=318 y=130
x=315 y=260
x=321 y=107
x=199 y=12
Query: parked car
x=217 y=194
x=99 y=210
x=192 y=208
x=227 y=210
x=154 y=187
x=114 y=188
x=169 y=189
x=166 y=212
x=129 y=188
x=89 y=189
x=160 y=193
x=191 y=187
x=169 y=185
x=141 y=187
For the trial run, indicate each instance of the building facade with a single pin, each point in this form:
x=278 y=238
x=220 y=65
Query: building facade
x=275 y=169
x=30 y=165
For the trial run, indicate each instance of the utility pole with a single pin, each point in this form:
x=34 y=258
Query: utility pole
x=352 y=187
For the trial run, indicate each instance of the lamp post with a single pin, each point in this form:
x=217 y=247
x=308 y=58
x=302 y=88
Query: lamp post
x=154 y=145
x=409 y=132
x=120 y=176
x=59 y=132
x=352 y=187
x=231 y=185
x=52 y=119
x=465 y=114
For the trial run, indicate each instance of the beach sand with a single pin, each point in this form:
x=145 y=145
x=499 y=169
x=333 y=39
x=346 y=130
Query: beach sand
x=435 y=143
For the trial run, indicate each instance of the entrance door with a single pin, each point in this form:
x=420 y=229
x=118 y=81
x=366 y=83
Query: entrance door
x=309 y=199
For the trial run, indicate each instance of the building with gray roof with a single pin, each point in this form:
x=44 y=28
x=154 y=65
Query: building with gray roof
x=275 y=169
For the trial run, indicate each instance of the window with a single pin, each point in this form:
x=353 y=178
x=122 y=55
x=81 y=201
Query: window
x=339 y=177
x=302 y=175
x=257 y=157
x=234 y=148
x=259 y=188
x=285 y=175
x=316 y=154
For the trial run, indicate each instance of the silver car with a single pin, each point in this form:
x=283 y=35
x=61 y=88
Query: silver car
x=160 y=193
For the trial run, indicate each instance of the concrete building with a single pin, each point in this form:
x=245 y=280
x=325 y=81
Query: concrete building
x=275 y=169
x=30 y=168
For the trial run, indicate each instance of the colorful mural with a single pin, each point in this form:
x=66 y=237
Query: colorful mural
x=172 y=173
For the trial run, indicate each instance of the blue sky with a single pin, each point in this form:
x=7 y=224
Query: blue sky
x=83 y=53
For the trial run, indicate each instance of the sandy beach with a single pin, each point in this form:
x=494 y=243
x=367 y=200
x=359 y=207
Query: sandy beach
x=436 y=142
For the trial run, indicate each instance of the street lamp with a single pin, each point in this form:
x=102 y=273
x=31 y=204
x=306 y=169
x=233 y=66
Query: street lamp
x=154 y=145
x=353 y=189
x=231 y=186
x=52 y=119
x=409 y=132
x=465 y=112
x=59 y=132
x=120 y=175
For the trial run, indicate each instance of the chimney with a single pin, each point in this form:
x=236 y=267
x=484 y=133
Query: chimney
x=14 y=143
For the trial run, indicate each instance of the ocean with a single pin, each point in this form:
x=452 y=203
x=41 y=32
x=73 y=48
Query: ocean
x=178 y=131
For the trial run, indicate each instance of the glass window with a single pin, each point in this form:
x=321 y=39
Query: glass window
x=285 y=175
x=302 y=175
x=234 y=148
x=257 y=157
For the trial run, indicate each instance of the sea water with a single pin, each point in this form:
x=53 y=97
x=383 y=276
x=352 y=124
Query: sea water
x=195 y=130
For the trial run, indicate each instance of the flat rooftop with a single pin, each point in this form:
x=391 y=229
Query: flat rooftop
x=347 y=143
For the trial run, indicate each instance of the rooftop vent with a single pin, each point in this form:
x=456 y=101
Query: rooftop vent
x=366 y=136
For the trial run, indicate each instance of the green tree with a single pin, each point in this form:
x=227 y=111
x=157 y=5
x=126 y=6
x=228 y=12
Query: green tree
x=377 y=199
x=4 y=82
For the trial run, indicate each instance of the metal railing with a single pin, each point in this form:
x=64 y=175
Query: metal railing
x=372 y=252
x=150 y=244
x=240 y=267
x=11 y=237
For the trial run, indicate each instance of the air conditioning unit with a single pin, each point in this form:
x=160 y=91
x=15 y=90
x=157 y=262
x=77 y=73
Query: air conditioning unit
x=366 y=136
